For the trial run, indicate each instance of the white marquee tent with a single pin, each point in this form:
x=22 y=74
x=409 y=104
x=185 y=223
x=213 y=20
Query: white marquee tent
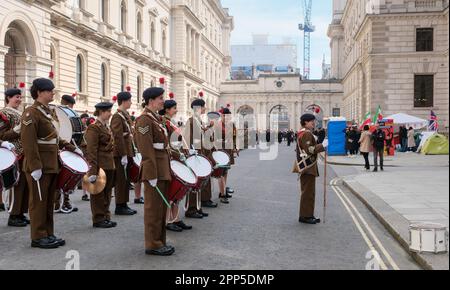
x=408 y=121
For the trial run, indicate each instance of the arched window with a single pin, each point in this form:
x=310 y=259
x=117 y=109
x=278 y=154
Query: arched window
x=123 y=80
x=152 y=35
x=104 y=11
x=123 y=16
x=139 y=27
x=104 y=80
x=79 y=74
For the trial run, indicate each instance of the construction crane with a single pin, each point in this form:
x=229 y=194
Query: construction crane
x=307 y=28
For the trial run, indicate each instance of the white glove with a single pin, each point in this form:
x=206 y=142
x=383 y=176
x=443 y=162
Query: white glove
x=325 y=143
x=124 y=160
x=182 y=157
x=78 y=151
x=7 y=145
x=92 y=178
x=153 y=182
x=17 y=129
x=192 y=152
x=37 y=174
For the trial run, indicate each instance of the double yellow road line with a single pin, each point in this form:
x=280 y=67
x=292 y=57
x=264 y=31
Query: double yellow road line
x=372 y=241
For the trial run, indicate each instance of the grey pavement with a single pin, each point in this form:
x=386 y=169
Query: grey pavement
x=415 y=190
x=258 y=230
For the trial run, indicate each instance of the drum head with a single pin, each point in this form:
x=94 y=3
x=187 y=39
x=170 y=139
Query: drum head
x=200 y=165
x=137 y=159
x=7 y=159
x=65 y=126
x=183 y=172
x=221 y=158
x=74 y=161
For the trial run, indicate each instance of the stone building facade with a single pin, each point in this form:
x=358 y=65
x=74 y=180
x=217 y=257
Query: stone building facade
x=97 y=48
x=393 y=54
x=281 y=97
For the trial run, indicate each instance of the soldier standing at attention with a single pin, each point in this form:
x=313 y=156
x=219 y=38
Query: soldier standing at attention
x=10 y=120
x=99 y=154
x=41 y=143
x=121 y=125
x=308 y=143
x=153 y=143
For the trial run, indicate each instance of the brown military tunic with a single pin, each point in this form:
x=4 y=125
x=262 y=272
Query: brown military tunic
x=121 y=127
x=9 y=119
x=99 y=154
x=308 y=143
x=152 y=141
x=39 y=136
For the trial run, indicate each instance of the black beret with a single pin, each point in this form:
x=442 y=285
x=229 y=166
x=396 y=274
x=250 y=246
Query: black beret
x=169 y=104
x=69 y=99
x=307 y=117
x=104 y=106
x=13 y=92
x=198 y=103
x=226 y=111
x=43 y=84
x=123 y=96
x=152 y=93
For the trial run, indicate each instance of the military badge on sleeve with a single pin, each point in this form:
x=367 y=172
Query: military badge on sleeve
x=144 y=130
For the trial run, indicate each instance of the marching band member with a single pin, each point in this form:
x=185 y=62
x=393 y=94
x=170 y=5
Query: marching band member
x=229 y=147
x=40 y=141
x=121 y=125
x=195 y=131
x=86 y=120
x=168 y=113
x=152 y=142
x=99 y=154
x=10 y=147
x=65 y=206
x=10 y=132
x=308 y=143
x=138 y=198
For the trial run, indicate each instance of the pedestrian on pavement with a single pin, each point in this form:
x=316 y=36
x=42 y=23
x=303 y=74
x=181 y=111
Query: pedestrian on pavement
x=352 y=140
x=280 y=137
x=307 y=144
x=403 y=138
x=378 y=139
x=411 y=140
x=268 y=136
x=365 y=143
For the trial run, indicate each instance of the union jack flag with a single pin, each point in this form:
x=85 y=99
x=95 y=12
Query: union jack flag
x=433 y=125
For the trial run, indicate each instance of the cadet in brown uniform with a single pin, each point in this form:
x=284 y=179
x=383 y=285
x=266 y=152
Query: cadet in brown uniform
x=10 y=131
x=152 y=141
x=308 y=143
x=174 y=223
x=121 y=125
x=195 y=134
x=65 y=206
x=40 y=141
x=99 y=154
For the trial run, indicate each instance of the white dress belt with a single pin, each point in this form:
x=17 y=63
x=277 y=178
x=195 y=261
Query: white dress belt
x=48 y=142
x=158 y=146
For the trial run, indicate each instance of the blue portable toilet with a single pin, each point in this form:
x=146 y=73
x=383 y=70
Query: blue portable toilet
x=336 y=136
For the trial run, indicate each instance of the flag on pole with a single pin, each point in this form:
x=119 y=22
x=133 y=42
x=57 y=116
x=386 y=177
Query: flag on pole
x=367 y=120
x=433 y=125
x=378 y=116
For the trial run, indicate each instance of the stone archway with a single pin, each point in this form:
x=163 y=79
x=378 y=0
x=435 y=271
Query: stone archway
x=21 y=50
x=280 y=113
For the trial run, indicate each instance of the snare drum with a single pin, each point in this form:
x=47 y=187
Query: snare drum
x=73 y=168
x=183 y=181
x=202 y=168
x=135 y=168
x=9 y=169
x=221 y=162
x=70 y=124
x=428 y=238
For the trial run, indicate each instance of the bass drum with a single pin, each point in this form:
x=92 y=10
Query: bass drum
x=70 y=125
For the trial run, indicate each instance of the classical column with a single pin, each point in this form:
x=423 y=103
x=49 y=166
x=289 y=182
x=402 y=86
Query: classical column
x=3 y=52
x=197 y=50
x=188 y=44
x=193 y=48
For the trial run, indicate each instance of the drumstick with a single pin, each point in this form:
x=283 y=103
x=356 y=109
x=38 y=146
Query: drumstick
x=39 y=189
x=162 y=195
x=11 y=205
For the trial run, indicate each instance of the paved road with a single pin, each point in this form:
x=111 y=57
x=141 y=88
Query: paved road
x=258 y=230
